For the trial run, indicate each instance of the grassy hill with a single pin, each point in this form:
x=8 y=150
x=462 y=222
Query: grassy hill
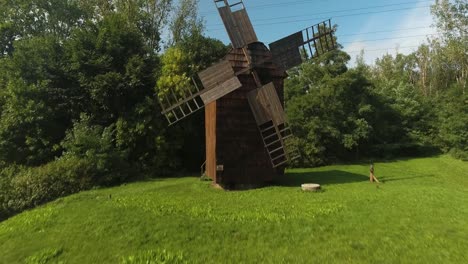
x=418 y=215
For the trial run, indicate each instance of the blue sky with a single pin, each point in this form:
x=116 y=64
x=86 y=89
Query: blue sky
x=378 y=27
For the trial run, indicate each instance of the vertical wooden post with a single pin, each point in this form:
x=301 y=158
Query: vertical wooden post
x=372 y=177
x=210 y=132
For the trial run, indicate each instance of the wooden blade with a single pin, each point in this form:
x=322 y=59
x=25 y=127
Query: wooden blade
x=216 y=74
x=210 y=95
x=266 y=105
x=218 y=81
x=319 y=39
x=286 y=51
x=271 y=121
x=237 y=23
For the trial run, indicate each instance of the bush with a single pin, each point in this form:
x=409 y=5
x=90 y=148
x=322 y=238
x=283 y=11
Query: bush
x=96 y=144
x=459 y=154
x=393 y=151
x=30 y=187
x=6 y=176
x=90 y=159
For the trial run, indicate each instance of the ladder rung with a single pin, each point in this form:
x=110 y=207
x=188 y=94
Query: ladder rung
x=295 y=158
x=279 y=164
x=276 y=150
x=266 y=129
x=270 y=136
x=272 y=143
x=293 y=153
x=280 y=156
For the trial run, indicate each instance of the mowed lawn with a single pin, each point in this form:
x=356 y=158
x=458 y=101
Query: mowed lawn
x=419 y=214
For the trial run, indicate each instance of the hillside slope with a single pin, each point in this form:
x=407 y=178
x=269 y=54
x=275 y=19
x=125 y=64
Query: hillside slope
x=418 y=215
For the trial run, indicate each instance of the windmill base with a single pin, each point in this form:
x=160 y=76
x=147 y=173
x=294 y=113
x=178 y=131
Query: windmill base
x=240 y=187
x=247 y=182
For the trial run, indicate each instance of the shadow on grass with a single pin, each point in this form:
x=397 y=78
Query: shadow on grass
x=320 y=177
x=390 y=179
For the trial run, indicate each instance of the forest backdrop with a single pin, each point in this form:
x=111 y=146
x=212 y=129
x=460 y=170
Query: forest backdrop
x=79 y=82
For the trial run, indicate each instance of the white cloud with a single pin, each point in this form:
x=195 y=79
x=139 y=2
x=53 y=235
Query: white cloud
x=417 y=22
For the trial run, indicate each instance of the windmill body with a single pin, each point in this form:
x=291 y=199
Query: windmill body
x=235 y=153
x=247 y=136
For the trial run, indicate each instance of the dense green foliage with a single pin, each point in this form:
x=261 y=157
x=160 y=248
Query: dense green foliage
x=417 y=215
x=79 y=85
x=402 y=106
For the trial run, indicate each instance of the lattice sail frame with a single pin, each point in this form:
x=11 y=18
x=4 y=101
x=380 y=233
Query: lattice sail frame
x=176 y=108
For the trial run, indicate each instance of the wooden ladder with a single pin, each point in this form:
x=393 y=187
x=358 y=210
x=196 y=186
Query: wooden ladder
x=273 y=143
x=277 y=142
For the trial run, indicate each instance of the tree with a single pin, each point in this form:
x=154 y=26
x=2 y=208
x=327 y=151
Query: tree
x=36 y=112
x=453 y=124
x=330 y=109
x=451 y=21
x=22 y=19
x=186 y=22
x=450 y=16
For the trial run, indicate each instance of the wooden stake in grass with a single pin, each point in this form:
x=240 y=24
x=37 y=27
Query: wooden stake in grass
x=372 y=177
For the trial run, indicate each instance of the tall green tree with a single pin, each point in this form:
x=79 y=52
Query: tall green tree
x=35 y=113
x=451 y=21
x=22 y=19
x=330 y=109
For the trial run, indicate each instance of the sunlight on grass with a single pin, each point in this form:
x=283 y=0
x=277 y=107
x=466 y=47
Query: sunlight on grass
x=417 y=215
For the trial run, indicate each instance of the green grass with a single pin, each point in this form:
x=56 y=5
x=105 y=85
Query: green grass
x=418 y=215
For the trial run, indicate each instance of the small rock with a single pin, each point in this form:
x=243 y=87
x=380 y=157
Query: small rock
x=310 y=187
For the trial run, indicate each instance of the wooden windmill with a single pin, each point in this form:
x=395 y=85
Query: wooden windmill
x=247 y=136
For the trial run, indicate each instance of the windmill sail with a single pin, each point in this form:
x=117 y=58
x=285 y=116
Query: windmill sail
x=271 y=121
x=237 y=23
x=218 y=80
x=313 y=41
